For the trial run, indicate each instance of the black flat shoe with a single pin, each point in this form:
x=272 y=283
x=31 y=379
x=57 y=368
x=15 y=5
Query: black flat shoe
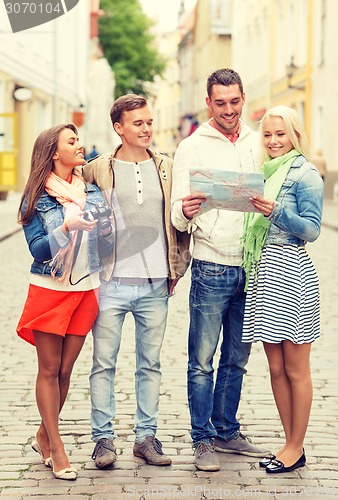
x=277 y=467
x=266 y=461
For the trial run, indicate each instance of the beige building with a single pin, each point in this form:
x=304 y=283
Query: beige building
x=324 y=103
x=100 y=92
x=42 y=82
x=269 y=37
x=284 y=51
x=211 y=36
x=52 y=74
x=165 y=96
x=186 y=60
x=201 y=44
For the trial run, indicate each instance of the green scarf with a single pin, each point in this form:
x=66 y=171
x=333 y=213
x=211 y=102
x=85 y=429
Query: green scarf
x=256 y=225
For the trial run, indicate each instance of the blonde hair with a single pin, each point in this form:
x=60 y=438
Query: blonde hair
x=294 y=130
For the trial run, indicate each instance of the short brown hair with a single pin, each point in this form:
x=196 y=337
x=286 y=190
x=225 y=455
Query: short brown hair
x=224 y=76
x=124 y=103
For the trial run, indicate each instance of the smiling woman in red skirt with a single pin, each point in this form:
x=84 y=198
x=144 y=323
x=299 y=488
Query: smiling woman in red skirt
x=66 y=243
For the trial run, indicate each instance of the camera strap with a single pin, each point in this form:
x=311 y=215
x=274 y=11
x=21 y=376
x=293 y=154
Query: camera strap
x=76 y=252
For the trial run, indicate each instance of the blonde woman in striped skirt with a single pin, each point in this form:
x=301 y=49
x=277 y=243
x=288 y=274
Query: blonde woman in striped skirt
x=282 y=305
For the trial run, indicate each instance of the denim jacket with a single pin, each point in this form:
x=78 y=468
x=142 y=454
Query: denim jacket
x=45 y=238
x=297 y=214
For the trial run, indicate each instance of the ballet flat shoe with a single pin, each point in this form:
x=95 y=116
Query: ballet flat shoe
x=277 y=467
x=36 y=447
x=266 y=461
x=68 y=474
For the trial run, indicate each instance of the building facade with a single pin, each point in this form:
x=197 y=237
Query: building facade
x=42 y=82
x=284 y=51
x=50 y=74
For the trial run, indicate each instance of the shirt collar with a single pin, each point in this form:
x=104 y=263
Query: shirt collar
x=232 y=138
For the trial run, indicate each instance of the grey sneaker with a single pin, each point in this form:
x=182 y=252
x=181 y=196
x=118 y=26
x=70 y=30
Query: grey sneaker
x=205 y=457
x=151 y=450
x=242 y=445
x=104 y=453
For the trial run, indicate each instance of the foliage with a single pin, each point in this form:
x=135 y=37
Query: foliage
x=128 y=45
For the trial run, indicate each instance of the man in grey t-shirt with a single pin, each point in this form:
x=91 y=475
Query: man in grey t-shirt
x=146 y=265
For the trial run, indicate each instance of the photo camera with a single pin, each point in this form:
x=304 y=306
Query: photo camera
x=101 y=214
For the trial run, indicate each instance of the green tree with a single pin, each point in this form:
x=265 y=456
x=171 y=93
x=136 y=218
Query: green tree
x=124 y=33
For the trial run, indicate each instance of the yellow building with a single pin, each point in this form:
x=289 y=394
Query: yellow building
x=285 y=53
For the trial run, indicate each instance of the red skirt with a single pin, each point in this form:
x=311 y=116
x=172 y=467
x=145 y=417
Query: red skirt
x=57 y=312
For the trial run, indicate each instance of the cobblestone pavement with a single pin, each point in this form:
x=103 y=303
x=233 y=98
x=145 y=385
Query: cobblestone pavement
x=22 y=476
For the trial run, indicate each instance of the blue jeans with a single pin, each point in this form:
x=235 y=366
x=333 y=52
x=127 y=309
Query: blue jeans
x=149 y=306
x=217 y=300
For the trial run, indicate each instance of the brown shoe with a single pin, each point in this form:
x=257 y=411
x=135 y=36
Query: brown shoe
x=151 y=450
x=104 y=453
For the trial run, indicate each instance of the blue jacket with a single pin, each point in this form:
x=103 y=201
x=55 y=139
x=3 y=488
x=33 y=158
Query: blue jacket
x=297 y=214
x=45 y=238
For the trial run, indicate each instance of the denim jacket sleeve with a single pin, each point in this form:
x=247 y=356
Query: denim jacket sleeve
x=299 y=213
x=42 y=246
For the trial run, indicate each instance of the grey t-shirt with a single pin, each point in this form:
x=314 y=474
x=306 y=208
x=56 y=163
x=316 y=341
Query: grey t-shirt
x=141 y=248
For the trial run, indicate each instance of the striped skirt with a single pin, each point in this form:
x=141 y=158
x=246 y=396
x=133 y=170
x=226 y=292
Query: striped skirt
x=283 y=303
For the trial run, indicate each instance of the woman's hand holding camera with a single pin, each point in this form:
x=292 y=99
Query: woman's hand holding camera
x=103 y=216
x=86 y=220
x=78 y=222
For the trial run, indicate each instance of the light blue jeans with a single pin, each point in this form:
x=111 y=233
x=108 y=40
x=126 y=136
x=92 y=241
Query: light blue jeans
x=149 y=306
x=217 y=301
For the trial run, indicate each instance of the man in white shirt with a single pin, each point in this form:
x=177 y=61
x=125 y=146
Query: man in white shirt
x=217 y=294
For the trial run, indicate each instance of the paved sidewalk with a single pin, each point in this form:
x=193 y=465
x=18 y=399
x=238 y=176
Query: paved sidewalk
x=8 y=215
x=22 y=476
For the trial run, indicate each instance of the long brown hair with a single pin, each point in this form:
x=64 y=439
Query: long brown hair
x=42 y=164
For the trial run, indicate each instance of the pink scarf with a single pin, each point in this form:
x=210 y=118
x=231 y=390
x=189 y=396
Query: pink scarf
x=73 y=198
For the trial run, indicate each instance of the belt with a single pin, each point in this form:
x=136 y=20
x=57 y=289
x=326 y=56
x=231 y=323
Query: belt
x=138 y=281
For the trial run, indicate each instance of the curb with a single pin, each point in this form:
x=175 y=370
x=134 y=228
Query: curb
x=330 y=226
x=10 y=233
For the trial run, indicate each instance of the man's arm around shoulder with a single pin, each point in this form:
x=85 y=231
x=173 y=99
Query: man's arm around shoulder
x=99 y=172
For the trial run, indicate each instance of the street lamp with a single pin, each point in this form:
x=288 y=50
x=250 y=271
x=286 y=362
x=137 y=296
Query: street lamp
x=78 y=116
x=290 y=70
x=22 y=93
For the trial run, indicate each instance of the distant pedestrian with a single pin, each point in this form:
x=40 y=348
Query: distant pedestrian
x=93 y=153
x=62 y=298
x=282 y=305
